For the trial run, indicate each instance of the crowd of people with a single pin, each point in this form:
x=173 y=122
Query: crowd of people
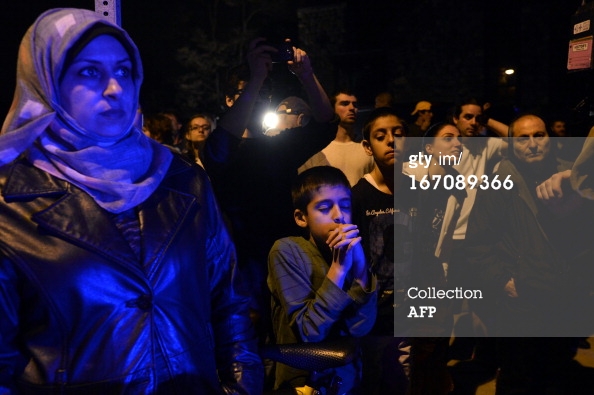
x=151 y=254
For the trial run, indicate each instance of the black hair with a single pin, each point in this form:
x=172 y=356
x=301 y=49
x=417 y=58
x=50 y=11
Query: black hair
x=464 y=102
x=433 y=130
x=343 y=90
x=309 y=182
x=380 y=113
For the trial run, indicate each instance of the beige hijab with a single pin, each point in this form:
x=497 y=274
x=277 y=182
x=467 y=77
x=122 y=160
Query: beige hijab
x=119 y=172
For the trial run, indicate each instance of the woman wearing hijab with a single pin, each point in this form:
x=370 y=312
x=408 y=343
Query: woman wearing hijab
x=116 y=272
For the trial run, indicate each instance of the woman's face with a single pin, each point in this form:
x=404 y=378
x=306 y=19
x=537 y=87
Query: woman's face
x=98 y=90
x=198 y=129
x=445 y=142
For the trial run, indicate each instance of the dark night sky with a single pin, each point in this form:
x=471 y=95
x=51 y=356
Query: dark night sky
x=145 y=21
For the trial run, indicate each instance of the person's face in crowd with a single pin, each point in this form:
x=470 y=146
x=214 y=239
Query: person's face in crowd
x=531 y=142
x=387 y=141
x=468 y=123
x=175 y=123
x=346 y=108
x=329 y=207
x=97 y=89
x=446 y=142
x=287 y=120
x=198 y=129
x=558 y=128
x=425 y=116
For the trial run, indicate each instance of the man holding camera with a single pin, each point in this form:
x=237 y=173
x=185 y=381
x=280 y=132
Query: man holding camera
x=252 y=172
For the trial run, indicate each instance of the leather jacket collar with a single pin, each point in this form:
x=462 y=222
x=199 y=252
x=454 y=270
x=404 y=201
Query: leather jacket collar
x=55 y=203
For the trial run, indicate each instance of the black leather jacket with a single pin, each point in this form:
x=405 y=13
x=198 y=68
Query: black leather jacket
x=81 y=313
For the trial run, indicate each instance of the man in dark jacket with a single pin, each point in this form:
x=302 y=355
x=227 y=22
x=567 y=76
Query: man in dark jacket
x=526 y=247
x=252 y=172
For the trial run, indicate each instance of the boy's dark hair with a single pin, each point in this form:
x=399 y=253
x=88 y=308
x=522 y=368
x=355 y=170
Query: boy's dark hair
x=309 y=182
x=380 y=113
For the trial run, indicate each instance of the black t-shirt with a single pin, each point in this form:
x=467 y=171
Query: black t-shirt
x=387 y=227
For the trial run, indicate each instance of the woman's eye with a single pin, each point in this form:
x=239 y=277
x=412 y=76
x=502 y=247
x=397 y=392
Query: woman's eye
x=123 y=72
x=89 y=72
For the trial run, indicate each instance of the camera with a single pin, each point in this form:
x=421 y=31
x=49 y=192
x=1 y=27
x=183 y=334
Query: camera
x=285 y=52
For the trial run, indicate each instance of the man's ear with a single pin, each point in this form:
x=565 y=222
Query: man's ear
x=367 y=147
x=303 y=120
x=300 y=120
x=300 y=218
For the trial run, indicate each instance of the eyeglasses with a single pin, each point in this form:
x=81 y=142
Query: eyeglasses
x=199 y=127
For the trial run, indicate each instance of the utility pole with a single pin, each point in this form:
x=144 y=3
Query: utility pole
x=109 y=9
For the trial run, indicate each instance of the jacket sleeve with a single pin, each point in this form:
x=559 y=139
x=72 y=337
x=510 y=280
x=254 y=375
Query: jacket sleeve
x=12 y=361
x=314 y=311
x=365 y=311
x=582 y=175
x=239 y=365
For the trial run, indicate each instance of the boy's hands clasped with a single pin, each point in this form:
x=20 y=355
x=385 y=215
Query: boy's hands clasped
x=347 y=253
